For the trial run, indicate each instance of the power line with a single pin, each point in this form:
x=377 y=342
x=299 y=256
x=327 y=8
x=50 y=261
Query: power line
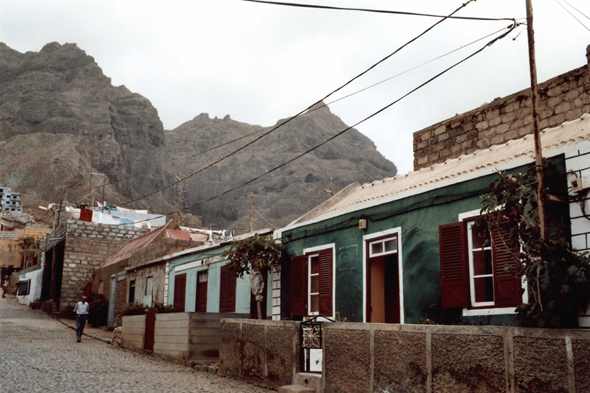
x=325 y=7
x=309 y=107
x=576 y=9
x=573 y=16
x=515 y=25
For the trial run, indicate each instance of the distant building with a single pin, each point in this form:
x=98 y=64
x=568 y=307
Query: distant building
x=10 y=201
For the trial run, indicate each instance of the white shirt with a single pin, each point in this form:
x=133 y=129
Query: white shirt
x=82 y=308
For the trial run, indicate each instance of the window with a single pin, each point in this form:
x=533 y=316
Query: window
x=149 y=290
x=383 y=247
x=101 y=287
x=312 y=283
x=227 y=292
x=473 y=265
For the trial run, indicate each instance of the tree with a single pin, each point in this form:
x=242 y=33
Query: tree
x=557 y=278
x=256 y=256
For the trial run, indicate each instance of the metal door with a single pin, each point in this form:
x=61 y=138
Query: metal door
x=150 y=330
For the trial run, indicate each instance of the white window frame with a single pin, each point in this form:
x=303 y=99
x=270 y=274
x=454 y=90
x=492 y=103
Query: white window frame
x=382 y=241
x=314 y=251
x=472 y=276
x=472 y=312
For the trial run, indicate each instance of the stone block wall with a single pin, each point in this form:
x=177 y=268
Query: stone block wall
x=262 y=352
x=82 y=256
x=563 y=98
x=422 y=358
x=133 y=332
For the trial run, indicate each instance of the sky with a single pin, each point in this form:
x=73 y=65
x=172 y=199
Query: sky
x=260 y=63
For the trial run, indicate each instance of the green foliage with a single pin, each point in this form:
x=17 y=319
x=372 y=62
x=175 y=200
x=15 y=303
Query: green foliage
x=557 y=277
x=255 y=253
x=426 y=321
x=162 y=308
x=132 y=309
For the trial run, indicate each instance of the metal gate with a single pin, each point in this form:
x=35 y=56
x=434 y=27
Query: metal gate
x=311 y=339
x=150 y=330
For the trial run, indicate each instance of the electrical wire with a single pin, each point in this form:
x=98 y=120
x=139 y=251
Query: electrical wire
x=325 y=7
x=306 y=109
x=351 y=127
x=573 y=16
x=565 y=1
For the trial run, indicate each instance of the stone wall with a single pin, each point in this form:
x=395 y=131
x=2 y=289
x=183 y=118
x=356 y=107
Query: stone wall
x=368 y=358
x=420 y=358
x=262 y=352
x=563 y=98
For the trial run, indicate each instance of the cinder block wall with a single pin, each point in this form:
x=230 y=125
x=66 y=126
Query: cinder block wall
x=88 y=245
x=262 y=352
x=133 y=332
x=421 y=358
x=563 y=98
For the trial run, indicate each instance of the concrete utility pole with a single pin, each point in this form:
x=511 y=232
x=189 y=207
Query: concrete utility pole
x=536 y=132
x=91 y=164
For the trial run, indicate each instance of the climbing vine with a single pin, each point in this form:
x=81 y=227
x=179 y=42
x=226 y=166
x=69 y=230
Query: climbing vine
x=557 y=278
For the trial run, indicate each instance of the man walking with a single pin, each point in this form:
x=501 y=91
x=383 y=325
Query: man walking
x=81 y=311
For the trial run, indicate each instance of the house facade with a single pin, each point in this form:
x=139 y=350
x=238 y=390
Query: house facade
x=199 y=281
x=405 y=249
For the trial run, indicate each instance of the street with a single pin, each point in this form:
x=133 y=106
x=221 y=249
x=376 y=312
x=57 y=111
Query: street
x=40 y=354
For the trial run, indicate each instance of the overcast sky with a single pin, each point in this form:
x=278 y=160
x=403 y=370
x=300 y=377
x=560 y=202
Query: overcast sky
x=260 y=63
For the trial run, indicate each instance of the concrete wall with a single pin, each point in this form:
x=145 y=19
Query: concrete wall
x=366 y=358
x=36 y=277
x=262 y=352
x=178 y=336
x=133 y=332
x=421 y=358
x=565 y=97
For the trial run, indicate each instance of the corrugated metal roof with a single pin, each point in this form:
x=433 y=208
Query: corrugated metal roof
x=467 y=166
x=135 y=244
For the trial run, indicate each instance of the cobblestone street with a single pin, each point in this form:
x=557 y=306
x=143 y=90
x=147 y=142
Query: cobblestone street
x=39 y=354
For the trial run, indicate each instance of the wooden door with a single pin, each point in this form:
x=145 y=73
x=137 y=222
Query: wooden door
x=202 y=279
x=179 y=292
x=112 y=301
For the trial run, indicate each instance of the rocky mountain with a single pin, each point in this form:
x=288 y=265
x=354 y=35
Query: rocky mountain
x=60 y=116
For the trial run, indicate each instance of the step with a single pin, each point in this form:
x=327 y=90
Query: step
x=295 y=389
x=309 y=380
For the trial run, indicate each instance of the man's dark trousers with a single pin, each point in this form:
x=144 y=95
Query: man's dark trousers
x=80 y=322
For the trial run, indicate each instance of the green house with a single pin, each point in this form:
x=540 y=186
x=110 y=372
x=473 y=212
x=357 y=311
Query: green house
x=404 y=250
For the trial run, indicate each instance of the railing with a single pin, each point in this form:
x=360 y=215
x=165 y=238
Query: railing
x=311 y=338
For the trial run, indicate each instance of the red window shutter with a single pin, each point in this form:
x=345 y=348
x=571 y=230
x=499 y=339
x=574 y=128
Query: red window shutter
x=453 y=266
x=326 y=282
x=507 y=288
x=179 y=292
x=223 y=290
x=299 y=286
x=232 y=280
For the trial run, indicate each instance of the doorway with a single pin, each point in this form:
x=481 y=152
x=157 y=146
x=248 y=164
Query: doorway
x=383 y=281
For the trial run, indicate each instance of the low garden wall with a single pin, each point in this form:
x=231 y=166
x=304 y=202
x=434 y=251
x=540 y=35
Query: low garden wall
x=413 y=358
x=259 y=351
x=178 y=336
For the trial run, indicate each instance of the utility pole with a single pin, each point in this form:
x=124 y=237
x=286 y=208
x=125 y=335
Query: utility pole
x=91 y=164
x=104 y=183
x=179 y=198
x=537 y=135
x=251 y=195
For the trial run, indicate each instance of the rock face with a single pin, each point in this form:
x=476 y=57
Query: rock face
x=59 y=114
x=284 y=194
